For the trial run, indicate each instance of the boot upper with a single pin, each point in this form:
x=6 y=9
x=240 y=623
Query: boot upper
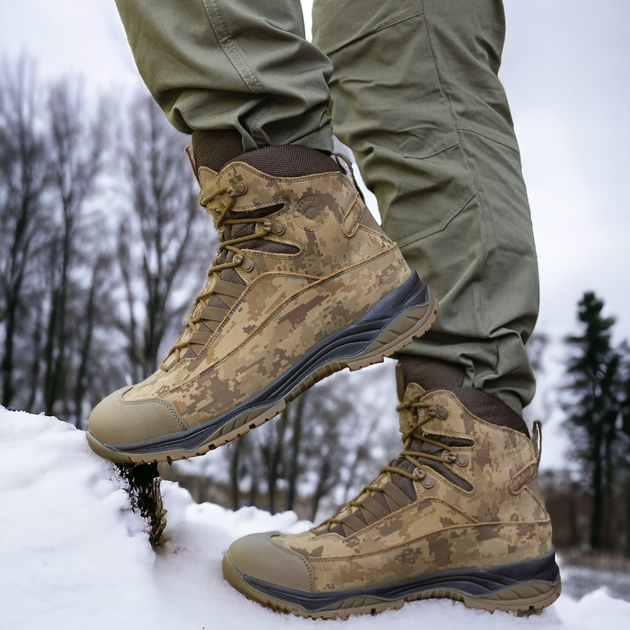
x=300 y=257
x=475 y=503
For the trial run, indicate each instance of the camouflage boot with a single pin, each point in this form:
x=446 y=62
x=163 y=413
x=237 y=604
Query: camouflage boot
x=458 y=514
x=305 y=284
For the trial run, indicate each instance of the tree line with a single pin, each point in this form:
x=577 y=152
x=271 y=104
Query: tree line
x=99 y=229
x=330 y=442
x=102 y=246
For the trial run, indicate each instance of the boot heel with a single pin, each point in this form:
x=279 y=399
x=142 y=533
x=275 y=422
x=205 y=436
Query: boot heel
x=525 y=599
x=530 y=586
x=396 y=335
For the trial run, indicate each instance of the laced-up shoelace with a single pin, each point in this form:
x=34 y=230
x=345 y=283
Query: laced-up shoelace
x=193 y=321
x=448 y=456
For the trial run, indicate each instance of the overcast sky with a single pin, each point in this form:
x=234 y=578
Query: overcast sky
x=566 y=69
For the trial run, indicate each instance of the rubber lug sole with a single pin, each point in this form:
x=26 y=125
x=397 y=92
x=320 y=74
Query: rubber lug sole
x=526 y=598
x=393 y=336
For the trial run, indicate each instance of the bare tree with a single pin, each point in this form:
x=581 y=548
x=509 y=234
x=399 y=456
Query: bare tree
x=23 y=181
x=92 y=318
x=160 y=235
x=295 y=448
x=329 y=442
x=272 y=449
x=325 y=440
x=77 y=147
x=234 y=456
x=62 y=328
x=360 y=457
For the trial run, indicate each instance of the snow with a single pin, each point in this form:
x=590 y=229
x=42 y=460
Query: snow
x=74 y=556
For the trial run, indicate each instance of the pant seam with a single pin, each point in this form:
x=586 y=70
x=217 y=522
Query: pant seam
x=378 y=29
x=489 y=136
x=257 y=130
x=227 y=42
x=478 y=317
x=382 y=27
x=431 y=155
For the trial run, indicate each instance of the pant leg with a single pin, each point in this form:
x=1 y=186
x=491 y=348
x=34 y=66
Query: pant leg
x=415 y=95
x=242 y=64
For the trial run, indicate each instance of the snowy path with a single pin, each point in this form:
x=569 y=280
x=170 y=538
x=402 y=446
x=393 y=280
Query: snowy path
x=73 y=556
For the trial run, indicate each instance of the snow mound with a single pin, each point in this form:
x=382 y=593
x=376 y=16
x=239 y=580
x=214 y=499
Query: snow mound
x=73 y=555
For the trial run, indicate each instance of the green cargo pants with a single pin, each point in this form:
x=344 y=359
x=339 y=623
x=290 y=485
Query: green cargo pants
x=413 y=91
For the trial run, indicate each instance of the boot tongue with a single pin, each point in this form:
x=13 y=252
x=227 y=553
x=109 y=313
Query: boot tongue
x=407 y=417
x=213 y=149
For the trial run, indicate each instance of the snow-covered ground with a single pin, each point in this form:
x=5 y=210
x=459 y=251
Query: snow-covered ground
x=73 y=555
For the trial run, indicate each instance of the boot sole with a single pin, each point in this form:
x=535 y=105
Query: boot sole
x=524 y=587
x=367 y=341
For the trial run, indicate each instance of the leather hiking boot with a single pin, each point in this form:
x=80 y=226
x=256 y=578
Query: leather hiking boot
x=458 y=514
x=305 y=283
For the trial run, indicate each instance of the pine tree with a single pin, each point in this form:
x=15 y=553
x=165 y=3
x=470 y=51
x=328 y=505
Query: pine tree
x=594 y=381
x=623 y=446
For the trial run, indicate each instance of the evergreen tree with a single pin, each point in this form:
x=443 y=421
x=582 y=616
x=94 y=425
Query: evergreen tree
x=594 y=381
x=623 y=445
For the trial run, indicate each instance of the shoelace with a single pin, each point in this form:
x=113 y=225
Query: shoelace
x=448 y=456
x=193 y=321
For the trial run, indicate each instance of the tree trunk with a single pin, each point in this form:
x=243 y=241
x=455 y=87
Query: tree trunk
x=254 y=491
x=7 y=358
x=82 y=372
x=49 y=355
x=320 y=489
x=20 y=249
x=35 y=367
x=57 y=390
x=296 y=444
x=574 y=536
x=598 y=490
x=235 y=460
x=273 y=456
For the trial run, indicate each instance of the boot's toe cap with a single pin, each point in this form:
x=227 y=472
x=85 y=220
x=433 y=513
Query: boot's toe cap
x=116 y=421
x=257 y=556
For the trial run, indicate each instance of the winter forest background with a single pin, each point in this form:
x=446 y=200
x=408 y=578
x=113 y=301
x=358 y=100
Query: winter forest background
x=103 y=245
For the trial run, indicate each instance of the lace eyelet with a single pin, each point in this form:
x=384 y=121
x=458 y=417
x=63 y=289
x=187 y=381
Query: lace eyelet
x=274 y=227
x=439 y=412
x=240 y=188
x=462 y=460
x=423 y=478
